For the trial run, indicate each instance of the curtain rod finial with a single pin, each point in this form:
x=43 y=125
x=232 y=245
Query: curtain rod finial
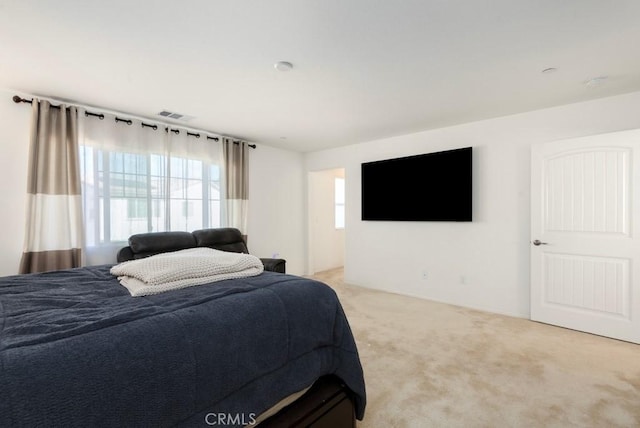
x=18 y=99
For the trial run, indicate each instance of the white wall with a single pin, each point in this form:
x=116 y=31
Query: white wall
x=276 y=207
x=14 y=151
x=277 y=222
x=326 y=243
x=492 y=252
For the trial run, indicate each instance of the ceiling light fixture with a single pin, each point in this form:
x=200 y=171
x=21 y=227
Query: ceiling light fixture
x=283 y=66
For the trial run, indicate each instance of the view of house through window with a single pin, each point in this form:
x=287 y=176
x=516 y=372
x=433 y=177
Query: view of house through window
x=136 y=193
x=339 y=203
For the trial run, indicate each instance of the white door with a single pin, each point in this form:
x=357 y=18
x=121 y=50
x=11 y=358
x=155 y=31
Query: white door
x=585 y=242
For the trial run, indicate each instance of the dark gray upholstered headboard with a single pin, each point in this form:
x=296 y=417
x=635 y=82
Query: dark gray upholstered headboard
x=224 y=239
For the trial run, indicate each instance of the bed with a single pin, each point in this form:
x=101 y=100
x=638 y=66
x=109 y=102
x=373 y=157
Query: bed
x=77 y=350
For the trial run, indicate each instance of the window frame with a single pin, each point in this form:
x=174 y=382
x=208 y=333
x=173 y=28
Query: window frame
x=102 y=197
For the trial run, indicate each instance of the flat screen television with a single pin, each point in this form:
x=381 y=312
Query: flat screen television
x=427 y=187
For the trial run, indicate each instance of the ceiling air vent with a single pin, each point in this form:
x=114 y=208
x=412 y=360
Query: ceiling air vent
x=177 y=116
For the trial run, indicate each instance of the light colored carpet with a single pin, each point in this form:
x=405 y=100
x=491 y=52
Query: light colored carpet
x=429 y=364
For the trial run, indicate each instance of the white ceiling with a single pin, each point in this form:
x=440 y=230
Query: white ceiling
x=363 y=69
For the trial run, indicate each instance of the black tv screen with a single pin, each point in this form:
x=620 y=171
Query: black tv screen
x=426 y=187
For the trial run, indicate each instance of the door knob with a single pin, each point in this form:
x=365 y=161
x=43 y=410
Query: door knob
x=539 y=242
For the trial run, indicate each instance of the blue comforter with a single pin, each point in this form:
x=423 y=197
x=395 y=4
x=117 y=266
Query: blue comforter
x=76 y=350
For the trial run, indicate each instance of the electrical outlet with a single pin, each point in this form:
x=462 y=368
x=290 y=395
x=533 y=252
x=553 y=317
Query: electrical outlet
x=425 y=275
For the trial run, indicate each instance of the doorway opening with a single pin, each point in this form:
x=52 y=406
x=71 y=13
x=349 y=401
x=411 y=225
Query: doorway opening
x=327 y=219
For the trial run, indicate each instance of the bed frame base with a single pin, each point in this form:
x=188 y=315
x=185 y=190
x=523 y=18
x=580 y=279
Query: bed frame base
x=327 y=404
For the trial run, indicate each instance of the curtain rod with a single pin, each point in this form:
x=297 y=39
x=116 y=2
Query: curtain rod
x=18 y=99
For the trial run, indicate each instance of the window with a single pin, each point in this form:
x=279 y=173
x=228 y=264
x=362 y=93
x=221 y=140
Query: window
x=139 y=178
x=128 y=193
x=136 y=209
x=339 y=203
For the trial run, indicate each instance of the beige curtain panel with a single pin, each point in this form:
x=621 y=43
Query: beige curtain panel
x=236 y=168
x=53 y=238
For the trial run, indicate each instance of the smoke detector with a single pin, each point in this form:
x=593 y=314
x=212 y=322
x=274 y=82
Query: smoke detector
x=283 y=66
